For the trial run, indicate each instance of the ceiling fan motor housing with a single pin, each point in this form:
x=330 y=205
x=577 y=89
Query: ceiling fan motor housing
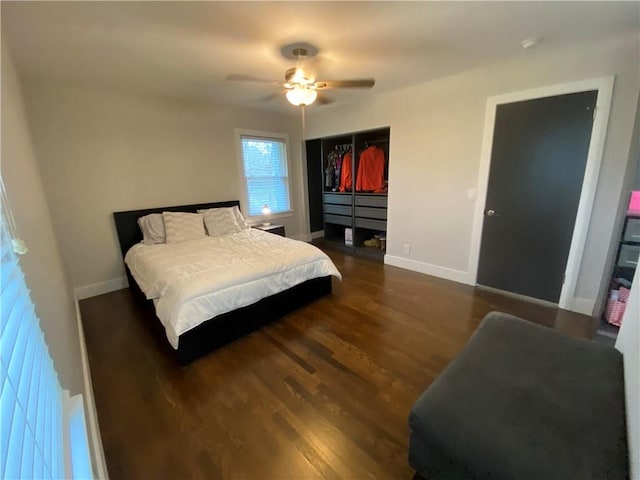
x=301 y=78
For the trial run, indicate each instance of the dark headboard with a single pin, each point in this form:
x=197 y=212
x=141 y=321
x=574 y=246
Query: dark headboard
x=127 y=222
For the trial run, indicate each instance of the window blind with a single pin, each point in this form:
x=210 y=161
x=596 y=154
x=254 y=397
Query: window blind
x=31 y=428
x=266 y=175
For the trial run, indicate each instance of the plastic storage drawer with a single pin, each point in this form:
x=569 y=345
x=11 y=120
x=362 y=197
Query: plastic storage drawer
x=371 y=201
x=367 y=212
x=340 y=199
x=338 y=209
x=632 y=232
x=371 y=224
x=629 y=256
x=338 y=219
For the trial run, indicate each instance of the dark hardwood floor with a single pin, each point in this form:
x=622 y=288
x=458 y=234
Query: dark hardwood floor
x=322 y=393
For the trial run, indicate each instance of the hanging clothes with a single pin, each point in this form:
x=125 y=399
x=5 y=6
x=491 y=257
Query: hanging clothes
x=346 y=179
x=330 y=171
x=370 y=175
x=328 y=176
x=338 y=172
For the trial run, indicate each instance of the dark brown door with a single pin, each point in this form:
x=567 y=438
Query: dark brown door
x=538 y=161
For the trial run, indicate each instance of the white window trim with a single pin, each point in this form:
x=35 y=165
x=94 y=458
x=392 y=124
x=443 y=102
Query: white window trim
x=244 y=201
x=77 y=453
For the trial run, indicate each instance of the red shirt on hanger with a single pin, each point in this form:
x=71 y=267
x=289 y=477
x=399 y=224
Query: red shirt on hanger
x=370 y=176
x=345 y=173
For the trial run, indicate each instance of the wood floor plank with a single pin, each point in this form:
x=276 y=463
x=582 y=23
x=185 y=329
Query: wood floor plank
x=317 y=431
x=324 y=392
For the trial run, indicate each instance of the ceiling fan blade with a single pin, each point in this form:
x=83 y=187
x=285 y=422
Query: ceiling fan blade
x=239 y=77
x=360 y=83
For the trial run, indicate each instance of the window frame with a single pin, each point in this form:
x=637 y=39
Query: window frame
x=33 y=398
x=244 y=202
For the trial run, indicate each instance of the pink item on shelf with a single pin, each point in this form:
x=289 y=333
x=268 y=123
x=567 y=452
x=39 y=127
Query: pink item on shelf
x=615 y=311
x=623 y=294
x=634 y=203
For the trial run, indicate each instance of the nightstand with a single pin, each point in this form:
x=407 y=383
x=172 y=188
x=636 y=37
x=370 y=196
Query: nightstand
x=276 y=229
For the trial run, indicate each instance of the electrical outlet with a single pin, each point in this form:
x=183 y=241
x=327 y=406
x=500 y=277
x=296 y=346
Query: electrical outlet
x=406 y=248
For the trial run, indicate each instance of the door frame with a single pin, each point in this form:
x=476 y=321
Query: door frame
x=604 y=86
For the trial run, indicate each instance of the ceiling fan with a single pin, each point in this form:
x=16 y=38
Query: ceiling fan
x=300 y=86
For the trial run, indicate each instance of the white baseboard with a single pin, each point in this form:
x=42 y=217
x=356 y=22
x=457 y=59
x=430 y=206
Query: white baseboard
x=87 y=291
x=525 y=298
x=583 y=305
x=578 y=305
x=459 y=276
x=97 y=451
x=308 y=237
x=303 y=237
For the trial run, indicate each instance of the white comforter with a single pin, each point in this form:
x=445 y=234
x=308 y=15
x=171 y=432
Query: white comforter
x=196 y=280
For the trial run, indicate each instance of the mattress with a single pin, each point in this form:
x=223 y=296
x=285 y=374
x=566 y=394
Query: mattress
x=193 y=281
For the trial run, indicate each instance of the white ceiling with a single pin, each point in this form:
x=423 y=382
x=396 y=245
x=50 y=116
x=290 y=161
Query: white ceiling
x=186 y=49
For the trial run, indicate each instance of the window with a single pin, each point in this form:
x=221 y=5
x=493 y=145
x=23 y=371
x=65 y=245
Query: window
x=266 y=177
x=42 y=429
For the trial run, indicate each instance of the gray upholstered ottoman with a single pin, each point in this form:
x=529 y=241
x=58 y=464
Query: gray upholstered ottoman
x=522 y=401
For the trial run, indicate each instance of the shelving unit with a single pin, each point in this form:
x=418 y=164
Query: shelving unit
x=343 y=206
x=370 y=219
x=625 y=265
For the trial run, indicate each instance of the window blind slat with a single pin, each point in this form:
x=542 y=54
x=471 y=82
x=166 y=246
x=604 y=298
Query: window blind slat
x=18 y=351
x=38 y=466
x=4 y=378
x=10 y=333
x=7 y=402
x=56 y=413
x=24 y=387
x=36 y=390
x=46 y=425
x=10 y=296
x=7 y=268
x=24 y=393
x=26 y=467
x=50 y=426
x=13 y=459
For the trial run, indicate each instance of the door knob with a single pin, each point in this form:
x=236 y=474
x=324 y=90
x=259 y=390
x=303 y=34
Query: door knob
x=491 y=213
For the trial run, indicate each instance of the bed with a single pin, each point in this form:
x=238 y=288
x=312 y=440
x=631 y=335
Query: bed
x=210 y=291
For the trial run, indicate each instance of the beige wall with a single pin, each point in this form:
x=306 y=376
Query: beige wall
x=102 y=151
x=44 y=271
x=436 y=140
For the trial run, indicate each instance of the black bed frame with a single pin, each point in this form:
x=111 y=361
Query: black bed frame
x=227 y=327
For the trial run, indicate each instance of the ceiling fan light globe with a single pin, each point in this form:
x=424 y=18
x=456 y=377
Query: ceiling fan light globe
x=300 y=96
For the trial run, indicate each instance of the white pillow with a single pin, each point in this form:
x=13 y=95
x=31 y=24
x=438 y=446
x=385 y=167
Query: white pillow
x=152 y=227
x=183 y=226
x=240 y=218
x=220 y=221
